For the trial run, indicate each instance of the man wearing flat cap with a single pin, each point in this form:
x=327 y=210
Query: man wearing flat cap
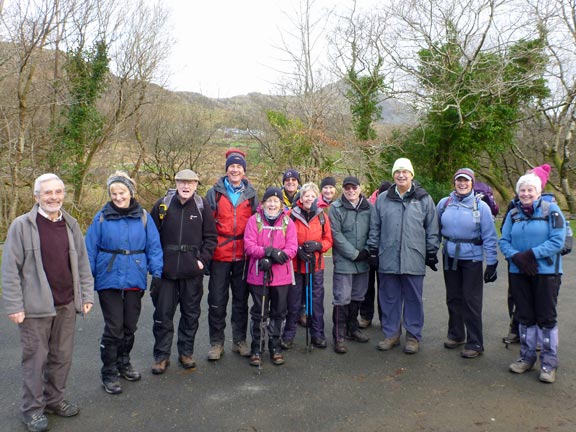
x=188 y=237
x=350 y=223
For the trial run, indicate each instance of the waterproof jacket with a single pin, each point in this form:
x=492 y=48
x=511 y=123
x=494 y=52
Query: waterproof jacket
x=231 y=220
x=25 y=287
x=123 y=249
x=475 y=234
x=404 y=230
x=308 y=230
x=259 y=235
x=350 y=227
x=187 y=234
x=545 y=236
x=321 y=203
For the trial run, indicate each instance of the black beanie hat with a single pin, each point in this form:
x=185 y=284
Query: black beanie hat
x=328 y=181
x=272 y=191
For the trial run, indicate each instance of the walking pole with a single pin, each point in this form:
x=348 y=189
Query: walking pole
x=308 y=307
x=263 y=320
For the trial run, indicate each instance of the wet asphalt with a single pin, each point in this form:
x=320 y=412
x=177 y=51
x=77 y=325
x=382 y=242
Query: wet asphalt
x=363 y=390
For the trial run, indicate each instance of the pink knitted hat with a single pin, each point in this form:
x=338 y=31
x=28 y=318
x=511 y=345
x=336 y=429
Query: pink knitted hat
x=543 y=172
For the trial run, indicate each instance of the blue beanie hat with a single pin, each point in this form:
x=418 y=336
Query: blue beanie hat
x=235 y=158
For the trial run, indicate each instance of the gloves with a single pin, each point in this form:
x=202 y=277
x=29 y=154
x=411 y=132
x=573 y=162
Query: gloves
x=373 y=259
x=431 y=260
x=155 y=286
x=312 y=246
x=490 y=274
x=305 y=256
x=278 y=256
x=362 y=256
x=264 y=264
x=526 y=261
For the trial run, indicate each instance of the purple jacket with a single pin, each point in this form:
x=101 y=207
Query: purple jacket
x=259 y=235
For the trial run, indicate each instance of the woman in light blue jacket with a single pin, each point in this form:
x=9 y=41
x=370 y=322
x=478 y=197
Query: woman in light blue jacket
x=532 y=238
x=468 y=236
x=123 y=247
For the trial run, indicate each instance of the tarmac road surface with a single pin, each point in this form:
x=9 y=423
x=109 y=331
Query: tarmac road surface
x=364 y=390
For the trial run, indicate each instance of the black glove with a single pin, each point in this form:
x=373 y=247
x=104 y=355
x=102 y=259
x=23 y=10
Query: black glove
x=431 y=260
x=155 y=285
x=526 y=261
x=278 y=256
x=312 y=246
x=362 y=256
x=264 y=264
x=490 y=274
x=305 y=256
x=373 y=259
x=268 y=251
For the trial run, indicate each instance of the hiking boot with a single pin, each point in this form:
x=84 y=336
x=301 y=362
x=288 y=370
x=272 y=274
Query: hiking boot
x=357 y=336
x=547 y=375
x=287 y=344
x=339 y=347
x=451 y=344
x=112 y=385
x=511 y=338
x=186 y=361
x=319 y=342
x=389 y=343
x=36 y=422
x=241 y=348
x=412 y=346
x=129 y=373
x=63 y=409
x=277 y=358
x=216 y=351
x=364 y=323
x=470 y=353
x=160 y=366
x=520 y=366
x=255 y=359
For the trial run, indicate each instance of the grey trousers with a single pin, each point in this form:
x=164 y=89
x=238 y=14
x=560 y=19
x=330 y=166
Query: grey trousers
x=47 y=345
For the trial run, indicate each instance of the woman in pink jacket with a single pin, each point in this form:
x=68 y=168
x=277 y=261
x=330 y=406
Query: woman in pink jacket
x=270 y=242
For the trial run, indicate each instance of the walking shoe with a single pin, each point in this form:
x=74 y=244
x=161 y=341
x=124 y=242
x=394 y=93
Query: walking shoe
x=186 y=361
x=63 y=409
x=412 y=346
x=520 y=366
x=511 y=338
x=319 y=342
x=364 y=323
x=340 y=348
x=112 y=385
x=451 y=344
x=547 y=375
x=216 y=351
x=36 y=422
x=241 y=348
x=357 y=336
x=470 y=353
x=160 y=366
x=287 y=344
x=277 y=358
x=129 y=373
x=255 y=359
x=389 y=343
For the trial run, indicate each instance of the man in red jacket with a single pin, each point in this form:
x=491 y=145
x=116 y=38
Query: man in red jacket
x=232 y=200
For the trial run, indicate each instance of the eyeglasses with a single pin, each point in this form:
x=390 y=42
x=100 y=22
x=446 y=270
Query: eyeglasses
x=350 y=187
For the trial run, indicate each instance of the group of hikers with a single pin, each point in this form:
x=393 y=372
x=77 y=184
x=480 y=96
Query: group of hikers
x=273 y=250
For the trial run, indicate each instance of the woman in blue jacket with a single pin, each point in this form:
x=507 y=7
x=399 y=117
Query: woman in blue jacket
x=123 y=246
x=532 y=238
x=469 y=237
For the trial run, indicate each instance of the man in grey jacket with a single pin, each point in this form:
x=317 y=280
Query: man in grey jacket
x=46 y=280
x=350 y=223
x=404 y=239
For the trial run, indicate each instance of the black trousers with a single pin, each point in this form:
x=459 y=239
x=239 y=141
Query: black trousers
x=536 y=298
x=367 y=305
x=121 y=311
x=275 y=308
x=464 y=293
x=188 y=294
x=226 y=277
